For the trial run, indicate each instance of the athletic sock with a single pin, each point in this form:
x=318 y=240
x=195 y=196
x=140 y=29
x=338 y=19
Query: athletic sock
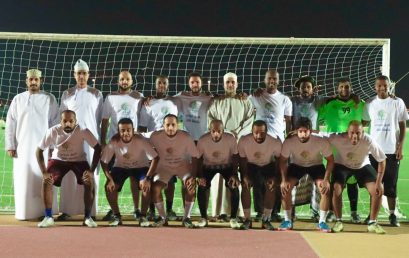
x=287 y=215
x=188 y=209
x=339 y=220
x=246 y=213
x=353 y=213
x=323 y=216
x=169 y=205
x=371 y=222
x=391 y=212
x=161 y=209
x=267 y=214
x=48 y=212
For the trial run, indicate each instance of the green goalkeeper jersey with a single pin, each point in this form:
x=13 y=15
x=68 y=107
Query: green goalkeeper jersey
x=336 y=114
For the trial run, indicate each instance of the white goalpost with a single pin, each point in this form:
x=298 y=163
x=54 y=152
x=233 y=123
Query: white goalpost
x=147 y=56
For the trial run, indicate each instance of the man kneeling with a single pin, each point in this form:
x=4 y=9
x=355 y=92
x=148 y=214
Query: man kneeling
x=67 y=140
x=306 y=152
x=219 y=154
x=132 y=155
x=258 y=155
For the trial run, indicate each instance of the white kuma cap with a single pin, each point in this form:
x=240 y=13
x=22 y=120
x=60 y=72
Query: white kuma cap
x=33 y=73
x=81 y=65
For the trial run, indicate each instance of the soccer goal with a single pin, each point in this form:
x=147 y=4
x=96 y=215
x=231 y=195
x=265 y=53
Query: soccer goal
x=147 y=56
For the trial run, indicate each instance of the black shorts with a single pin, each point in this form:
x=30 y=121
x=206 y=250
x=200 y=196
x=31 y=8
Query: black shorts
x=209 y=173
x=316 y=172
x=255 y=172
x=363 y=175
x=119 y=175
x=58 y=169
x=390 y=177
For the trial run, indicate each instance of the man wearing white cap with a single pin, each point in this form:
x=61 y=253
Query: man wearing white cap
x=30 y=114
x=87 y=103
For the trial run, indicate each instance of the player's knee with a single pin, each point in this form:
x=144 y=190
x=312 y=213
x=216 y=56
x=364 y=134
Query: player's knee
x=338 y=189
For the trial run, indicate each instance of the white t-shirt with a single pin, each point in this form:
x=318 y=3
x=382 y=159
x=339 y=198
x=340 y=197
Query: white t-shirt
x=355 y=156
x=217 y=153
x=117 y=106
x=385 y=115
x=68 y=146
x=309 y=108
x=134 y=154
x=306 y=154
x=174 y=151
x=152 y=116
x=259 y=154
x=193 y=111
x=272 y=108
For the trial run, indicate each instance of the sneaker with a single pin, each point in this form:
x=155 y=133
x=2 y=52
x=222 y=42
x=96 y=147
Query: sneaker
x=393 y=220
x=323 y=227
x=46 y=222
x=338 y=227
x=246 y=225
x=116 y=221
x=223 y=218
x=276 y=217
x=137 y=214
x=109 y=216
x=171 y=215
x=63 y=217
x=202 y=223
x=187 y=222
x=285 y=225
x=89 y=222
x=151 y=216
x=144 y=222
x=355 y=218
x=258 y=217
x=331 y=216
x=234 y=223
x=266 y=224
x=366 y=221
x=160 y=222
x=315 y=216
x=375 y=228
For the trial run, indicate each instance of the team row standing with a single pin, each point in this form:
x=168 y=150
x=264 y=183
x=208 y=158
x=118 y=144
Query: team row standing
x=270 y=105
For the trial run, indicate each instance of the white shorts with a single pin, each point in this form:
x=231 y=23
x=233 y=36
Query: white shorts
x=164 y=174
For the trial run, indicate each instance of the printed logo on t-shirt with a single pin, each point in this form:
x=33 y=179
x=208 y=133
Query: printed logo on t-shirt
x=258 y=155
x=381 y=114
x=305 y=154
x=164 y=110
x=216 y=154
x=305 y=110
x=125 y=109
x=268 y=107
x=169 y=150
x=126 y=156
x=65 y=145
x=350 y=155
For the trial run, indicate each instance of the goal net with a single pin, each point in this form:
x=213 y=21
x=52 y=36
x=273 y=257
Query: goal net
x=146 y=56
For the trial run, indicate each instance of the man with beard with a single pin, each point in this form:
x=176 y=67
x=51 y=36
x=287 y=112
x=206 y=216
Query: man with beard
x=306 y=152
x=259 y=153
x=336 y=115
x=178 y=157
x=274 y=108
x=352 y=159
x=87 y=103
x=218 y=155
x=132 y=154
x=30 y=114
x=387 y=117
x=125 y=103
x=67 y=139
x=151 y=119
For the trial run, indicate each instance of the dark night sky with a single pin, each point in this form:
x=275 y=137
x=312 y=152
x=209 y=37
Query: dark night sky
x=361 y=19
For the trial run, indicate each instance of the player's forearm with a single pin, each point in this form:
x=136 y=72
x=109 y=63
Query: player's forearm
x=329 y=168
x=40 y=160
x=243 y=167
x=402 y=133
x=200 y=167
x=288 y=124
x=105 y=168
x=104 y=129
x=235 y=163
x=152 y=167
x=381 y=171
x=194 y=167
x=96 y=157
x=283 y=168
